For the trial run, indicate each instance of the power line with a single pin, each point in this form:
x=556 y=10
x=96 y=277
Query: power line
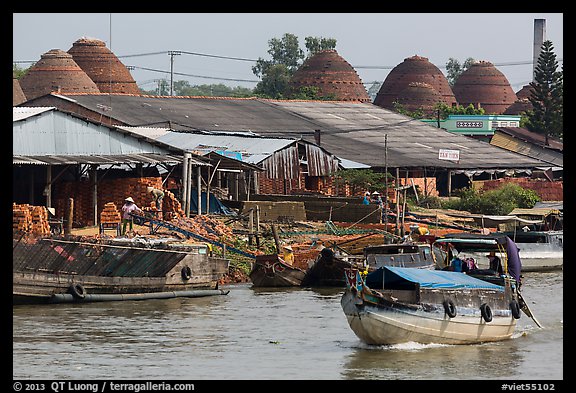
x=195 y=76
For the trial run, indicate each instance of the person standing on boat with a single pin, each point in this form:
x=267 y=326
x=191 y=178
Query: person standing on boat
x=366 y=200
x=288 y=254
x=128 y=207
x=495 y=263
x=376 y=198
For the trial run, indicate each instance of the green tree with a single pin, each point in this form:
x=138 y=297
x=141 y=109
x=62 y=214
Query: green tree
x=440 y=108
x=454 y=69
x=547 y=94
x=362 y=179
x=500 y=201
x=285 y=51
x=317 y=44
x=19 y=72
x=275 y=83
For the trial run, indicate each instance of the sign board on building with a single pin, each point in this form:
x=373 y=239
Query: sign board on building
x=451 y=155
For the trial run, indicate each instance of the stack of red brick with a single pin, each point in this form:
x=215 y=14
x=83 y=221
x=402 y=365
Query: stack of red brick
x=546 y=190
x=115 y=190
x=31 y=219
x=110 y=214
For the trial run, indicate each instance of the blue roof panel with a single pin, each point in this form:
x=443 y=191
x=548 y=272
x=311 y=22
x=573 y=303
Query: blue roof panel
x=438 y=279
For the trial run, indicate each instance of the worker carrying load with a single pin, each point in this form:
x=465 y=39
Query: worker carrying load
x=157 y=195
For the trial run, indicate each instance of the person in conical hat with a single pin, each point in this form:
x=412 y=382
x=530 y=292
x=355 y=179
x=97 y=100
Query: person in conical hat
x=128 y=207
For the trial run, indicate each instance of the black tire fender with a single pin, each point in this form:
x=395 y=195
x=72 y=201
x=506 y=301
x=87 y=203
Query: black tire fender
x=77 y=290
x=186 y=273
x=515 y=308
x=449 y=308
x=486 y=312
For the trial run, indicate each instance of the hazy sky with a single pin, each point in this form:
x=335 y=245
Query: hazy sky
x=377 y=41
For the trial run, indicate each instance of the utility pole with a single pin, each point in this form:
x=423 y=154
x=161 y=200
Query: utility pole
x=385 y=183
x=172 y=54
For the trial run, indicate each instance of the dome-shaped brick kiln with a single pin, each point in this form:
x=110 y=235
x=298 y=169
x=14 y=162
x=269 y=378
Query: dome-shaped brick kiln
x=18 y=96
x=413 y=69
x=109 y=74
x=484 y=85
x=56 y=71
x=419 y=96
x=524 y=92
x=332 y=75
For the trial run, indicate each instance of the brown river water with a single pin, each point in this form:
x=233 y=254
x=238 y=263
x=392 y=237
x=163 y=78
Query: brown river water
x=268 y=334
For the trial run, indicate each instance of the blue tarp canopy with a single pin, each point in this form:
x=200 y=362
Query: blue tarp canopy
x=216 y=205
x=390 y=277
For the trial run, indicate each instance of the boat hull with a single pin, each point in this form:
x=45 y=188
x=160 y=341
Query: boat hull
x=47 y=270
x=271 y=271
x=378 y=325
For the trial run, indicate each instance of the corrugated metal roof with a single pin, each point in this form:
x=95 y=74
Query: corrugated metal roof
x=24 y=112
x=246 y=145
x=353 y=131
x=150 y=132
x=49 y=131
x=143 y=158
x=508 y=142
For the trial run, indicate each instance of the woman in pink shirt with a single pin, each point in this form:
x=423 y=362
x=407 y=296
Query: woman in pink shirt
x=129 y=207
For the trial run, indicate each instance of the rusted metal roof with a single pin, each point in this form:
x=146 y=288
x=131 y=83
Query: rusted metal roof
x=527 y=143
x=278 y=156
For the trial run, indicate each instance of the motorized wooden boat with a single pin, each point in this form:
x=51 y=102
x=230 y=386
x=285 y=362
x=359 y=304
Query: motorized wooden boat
x=272 y=271
x=328 y=269
x=74 y=269
x=394 y=305
x=397 y=304
x=418 y=255
x=540 y=250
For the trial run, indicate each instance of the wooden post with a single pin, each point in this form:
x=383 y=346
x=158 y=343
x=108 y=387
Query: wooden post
x=449 y=182
x=276 y=238
x=48 y=189
x=94 y=174
x=186 y=184
x=397 y=230
x=69 y=216
x=250 y=226
x=257 y=226
x=199 y=190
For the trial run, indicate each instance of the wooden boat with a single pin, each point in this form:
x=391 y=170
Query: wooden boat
x=74 y=269
x=396 y=305
x=540 y=250
x=271 y=271
x=328 y=269
x=418 y=255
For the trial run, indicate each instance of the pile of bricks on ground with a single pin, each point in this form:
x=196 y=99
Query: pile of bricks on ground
x=110 y=214
x=30 y=219
x=205 y=226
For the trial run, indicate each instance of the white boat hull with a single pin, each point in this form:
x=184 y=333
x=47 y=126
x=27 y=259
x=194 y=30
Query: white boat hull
x=383 y=326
